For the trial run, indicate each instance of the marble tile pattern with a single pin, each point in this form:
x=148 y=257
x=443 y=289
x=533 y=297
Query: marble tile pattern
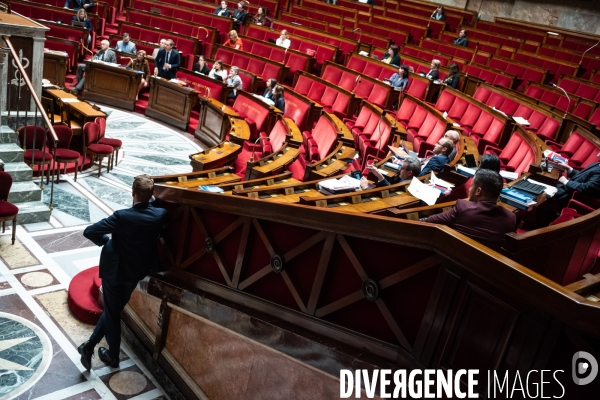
x=56 y=242
x=17 y=255
x=37 y=279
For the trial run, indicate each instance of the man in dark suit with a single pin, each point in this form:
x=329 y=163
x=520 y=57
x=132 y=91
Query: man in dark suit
x=104 y=54
x=441 y=151
x=480 y=218
x=222 y=10
x=125 y=259
x=587 y=181
x=167 y=61
x=410 y=168
x=462 y=40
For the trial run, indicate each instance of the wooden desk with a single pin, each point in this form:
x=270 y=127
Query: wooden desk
x=55 y=67
x=111 y=85
x=226 y=177
x=171 y=103
x=215 y=156
x=277 y=162
x=239 y=131
x=215 y=122
x=79 y=110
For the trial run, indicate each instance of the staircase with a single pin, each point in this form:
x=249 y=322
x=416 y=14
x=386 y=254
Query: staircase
x=24 y=193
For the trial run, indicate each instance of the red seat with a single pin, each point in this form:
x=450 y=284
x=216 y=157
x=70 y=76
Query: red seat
x=91 y=135
x=34 y=140
x=116 y=144
x=8 y=211
x=62 y=153
x=319 y=142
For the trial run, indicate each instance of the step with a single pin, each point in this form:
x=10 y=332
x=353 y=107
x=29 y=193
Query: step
x=19 y=171
x=11 y=152
x=7 y=135
x=22 y=192
x=33 y=211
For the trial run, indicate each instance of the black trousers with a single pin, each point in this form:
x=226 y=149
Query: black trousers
x=116 y=297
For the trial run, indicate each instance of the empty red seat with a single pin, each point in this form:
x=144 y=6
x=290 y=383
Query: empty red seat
x=320 y=141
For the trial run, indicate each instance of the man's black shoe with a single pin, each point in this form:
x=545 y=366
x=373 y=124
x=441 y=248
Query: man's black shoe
x=87 y=352
x=111 y=362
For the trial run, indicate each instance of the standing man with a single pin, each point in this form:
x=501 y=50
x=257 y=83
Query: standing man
x=79 y=4
x=161 y=45
x=126 y=258
x=126 y=45
x=104 y=54
x=167 y=61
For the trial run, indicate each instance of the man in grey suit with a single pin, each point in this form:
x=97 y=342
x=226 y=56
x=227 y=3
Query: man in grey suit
x=126 y=258
x=126 y=45
x=104 y=54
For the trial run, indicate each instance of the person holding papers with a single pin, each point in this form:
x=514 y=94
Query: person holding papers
x=586 y=181
x=201 y=67
x=410 y=168
x=167 y=61
x=480 y=218
x=284 y=40
x=441 y=151
x=104 y=54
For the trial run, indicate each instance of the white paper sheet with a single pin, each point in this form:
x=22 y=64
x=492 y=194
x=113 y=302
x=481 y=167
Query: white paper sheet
x=440 y=182
x=423 y=192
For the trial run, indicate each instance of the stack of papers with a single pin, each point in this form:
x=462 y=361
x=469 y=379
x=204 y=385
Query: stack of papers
x=423 y=192
x=470 y=172
x=521 y=121
x=343 y=185
x=509 y=176
x=434 y=180
x=211 y=189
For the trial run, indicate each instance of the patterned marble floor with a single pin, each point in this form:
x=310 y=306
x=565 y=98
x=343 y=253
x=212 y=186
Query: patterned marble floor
x=38 y=335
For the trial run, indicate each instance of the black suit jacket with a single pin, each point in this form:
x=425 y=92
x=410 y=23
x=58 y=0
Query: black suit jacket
x=174 y=60
x=226 y=13
x=587 y=181
x=131 y=252
x=240 y=16
x=435 y=163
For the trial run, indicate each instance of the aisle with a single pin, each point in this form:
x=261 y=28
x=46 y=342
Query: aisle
x=38 y=335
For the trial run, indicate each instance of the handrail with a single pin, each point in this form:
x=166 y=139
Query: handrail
x=40 y=108
x=489 y=265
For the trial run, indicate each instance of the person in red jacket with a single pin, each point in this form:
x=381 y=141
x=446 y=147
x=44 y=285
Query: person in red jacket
x=480 y=218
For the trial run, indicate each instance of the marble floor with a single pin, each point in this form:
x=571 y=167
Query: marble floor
x=38 y=334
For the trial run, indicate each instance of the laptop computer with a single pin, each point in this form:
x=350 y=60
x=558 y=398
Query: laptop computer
x=271 y=40
x=409 y=152
x=78 y=24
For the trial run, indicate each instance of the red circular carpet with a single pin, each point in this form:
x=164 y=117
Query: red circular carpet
x=83 y=295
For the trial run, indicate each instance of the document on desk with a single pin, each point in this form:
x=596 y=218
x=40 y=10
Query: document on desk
x=423 y=192
x=70 y=100
x=440 y=182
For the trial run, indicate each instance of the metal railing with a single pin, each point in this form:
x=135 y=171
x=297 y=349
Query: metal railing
x=45 y=123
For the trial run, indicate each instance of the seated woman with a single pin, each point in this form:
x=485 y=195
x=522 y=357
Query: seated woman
x=234 y=81
x=261 y=17
x=271 y=83
x=141 y=64
x=81 y=16
x=234 y=42
x=278 y=98
x=400 y=79
x=217 y=72
x=201 y=66
x=439 y=14
x=453 y=77
x=433 y=74
x=392 y=57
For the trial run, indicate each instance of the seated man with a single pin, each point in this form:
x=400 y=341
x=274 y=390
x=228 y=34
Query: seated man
x=126 y=45
x=79 y=4
x=480 y=218
x=440 y=158
x=284 y=40
x=455 y=137
x=222 y=10
x=586 y=181
x=461 y=40
x=239 y=15
x=104 y=54
x=410 y=168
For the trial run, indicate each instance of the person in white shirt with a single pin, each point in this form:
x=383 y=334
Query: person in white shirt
x=234 y=81
x=217 y=71
x=284 y=40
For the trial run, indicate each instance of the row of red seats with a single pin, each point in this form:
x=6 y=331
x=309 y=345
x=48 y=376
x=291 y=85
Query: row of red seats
x=517 y=155
x=260 y=66
x=333 y=98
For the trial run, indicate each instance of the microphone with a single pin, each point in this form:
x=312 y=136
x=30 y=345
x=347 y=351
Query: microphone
x=254 y=147
x=566 y=94
x=383 y=114
x=356 y=82
x=130 y=61
x=583 y=55
x=359 y=35
x=205 y=30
